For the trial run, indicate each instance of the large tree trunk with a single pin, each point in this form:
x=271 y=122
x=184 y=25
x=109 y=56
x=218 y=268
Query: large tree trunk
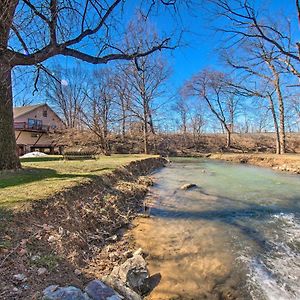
x=8 y=150
x=277 y=135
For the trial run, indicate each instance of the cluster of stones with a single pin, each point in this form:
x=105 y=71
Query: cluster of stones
x=129 y=281
x=95 y=290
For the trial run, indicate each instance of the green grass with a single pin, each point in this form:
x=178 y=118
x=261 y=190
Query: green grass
x=48 y=261
x=44 y=176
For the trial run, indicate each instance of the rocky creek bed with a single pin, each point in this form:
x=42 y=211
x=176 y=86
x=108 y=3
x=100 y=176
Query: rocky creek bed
x=64 y=245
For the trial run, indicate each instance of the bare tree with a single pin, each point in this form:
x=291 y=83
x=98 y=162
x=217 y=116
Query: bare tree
x=244 y=22
x=262 y=67
x=211 y=87
x=273 y=43
x=33 y=31
x=98 y=114
x=197 y=122
x=232 y=108
x=123 y=96
x=277 y=86
x=182 y=109
x=146 y=77
x=147 y=83
x=66 y=91
x=295 y=105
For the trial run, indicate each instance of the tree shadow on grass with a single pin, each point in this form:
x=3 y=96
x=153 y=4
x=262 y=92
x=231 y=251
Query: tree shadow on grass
x=41 y=159
x=31 y=175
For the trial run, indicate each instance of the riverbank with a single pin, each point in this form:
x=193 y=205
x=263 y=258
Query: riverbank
x=74 y=236
x=286 y=162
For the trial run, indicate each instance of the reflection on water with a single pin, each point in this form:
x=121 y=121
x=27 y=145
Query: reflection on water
x=236 y=236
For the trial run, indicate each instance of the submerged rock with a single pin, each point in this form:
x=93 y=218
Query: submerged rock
x=188 y=186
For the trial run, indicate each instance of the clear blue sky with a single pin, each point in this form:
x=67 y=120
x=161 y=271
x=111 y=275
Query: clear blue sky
x=203 y=42
x=200 y=42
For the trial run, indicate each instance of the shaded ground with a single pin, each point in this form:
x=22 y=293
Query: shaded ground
x=75 y=234
x=286 y=162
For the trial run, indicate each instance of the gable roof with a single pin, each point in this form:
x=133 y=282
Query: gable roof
x=22 y=110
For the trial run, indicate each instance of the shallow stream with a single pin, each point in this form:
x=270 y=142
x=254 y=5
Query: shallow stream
x=235 y=236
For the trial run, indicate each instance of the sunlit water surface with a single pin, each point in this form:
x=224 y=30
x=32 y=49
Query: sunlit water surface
x=236 y=236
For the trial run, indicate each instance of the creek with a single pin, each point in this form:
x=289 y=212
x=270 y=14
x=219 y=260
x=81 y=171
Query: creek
x=235 y=236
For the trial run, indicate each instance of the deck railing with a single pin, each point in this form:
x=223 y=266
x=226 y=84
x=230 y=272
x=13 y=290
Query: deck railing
x=26 y=126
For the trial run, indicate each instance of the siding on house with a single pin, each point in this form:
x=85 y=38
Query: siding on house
x=34 y=126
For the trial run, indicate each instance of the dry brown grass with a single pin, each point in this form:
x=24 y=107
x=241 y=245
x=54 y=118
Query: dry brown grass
x=179 y=144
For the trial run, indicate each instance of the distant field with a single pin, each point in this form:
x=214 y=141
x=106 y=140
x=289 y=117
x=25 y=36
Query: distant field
x=44 y=176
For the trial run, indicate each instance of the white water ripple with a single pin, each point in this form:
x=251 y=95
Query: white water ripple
x=275 y=275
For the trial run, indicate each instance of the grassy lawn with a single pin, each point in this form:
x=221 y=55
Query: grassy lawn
x=42 y=177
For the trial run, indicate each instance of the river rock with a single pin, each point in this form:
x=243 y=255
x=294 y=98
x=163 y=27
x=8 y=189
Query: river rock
x=125 y=291
x=54 y=292
x=133 y=273
x=188 y=186
x=97 y=290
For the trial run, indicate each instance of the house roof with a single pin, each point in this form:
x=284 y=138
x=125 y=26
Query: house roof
x=22 y=110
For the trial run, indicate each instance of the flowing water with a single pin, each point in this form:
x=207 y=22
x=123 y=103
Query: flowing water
x=235 y=236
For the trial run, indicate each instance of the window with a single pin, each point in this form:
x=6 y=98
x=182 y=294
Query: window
x=45 y=113
x=31 y=123
x=34 y=124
